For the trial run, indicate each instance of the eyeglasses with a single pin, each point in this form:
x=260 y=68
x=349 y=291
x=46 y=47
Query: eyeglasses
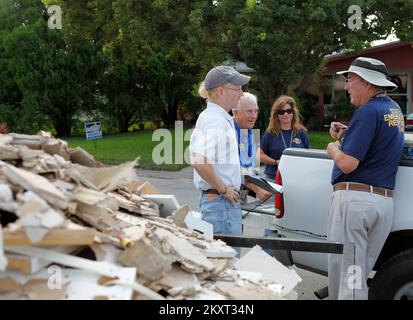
x=348 y=81
x=289 y=111
x=233 y=89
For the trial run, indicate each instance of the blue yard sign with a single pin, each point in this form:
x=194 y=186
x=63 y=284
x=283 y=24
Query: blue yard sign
x=93 y=130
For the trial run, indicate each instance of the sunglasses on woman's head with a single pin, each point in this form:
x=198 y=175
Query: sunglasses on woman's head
x=289 y=111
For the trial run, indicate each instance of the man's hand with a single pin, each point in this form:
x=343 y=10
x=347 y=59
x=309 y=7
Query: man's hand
x=332 y=148
x=337 y=130
x=231 y=194
x=262 y=194
x=345 y=162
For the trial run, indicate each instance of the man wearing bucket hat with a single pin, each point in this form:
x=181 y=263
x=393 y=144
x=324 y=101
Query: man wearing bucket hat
x=214 y=151
x=365 y=167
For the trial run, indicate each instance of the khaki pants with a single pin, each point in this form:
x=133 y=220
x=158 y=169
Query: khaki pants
x=364 y=219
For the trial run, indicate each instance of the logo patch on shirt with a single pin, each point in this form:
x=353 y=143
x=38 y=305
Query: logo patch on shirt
x=297 y=140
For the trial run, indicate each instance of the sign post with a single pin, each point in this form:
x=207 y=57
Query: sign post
x=93 y=131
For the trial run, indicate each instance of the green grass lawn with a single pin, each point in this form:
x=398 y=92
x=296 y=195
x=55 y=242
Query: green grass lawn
x=125 y=147
x=319 y=139
x=113 y=149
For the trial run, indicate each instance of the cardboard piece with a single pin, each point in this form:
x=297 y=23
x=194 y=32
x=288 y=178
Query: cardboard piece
x=257 y=260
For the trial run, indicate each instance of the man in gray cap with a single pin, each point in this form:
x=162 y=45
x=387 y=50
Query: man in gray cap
x=214 y=151
x=365 y=167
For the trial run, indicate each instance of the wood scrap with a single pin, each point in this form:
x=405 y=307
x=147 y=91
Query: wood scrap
x=30 y=265
x=55 y=237
x=46 y=192
x=34 y=289
x=142 y=207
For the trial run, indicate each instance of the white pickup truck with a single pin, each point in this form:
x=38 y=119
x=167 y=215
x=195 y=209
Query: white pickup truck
x=303 y=212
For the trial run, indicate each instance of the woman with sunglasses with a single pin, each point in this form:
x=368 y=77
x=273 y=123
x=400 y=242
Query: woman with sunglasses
x=284 y=131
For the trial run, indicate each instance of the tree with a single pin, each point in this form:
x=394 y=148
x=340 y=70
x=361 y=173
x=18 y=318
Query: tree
x=286 y=41
x=49 y=77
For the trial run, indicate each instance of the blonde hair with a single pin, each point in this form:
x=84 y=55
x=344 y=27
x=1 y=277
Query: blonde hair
x=206 y=94
x=274 y=127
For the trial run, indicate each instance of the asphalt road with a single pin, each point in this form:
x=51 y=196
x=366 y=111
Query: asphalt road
x=181 y=185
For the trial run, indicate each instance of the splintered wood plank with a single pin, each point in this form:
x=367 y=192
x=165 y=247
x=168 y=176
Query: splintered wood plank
x=29 y=265
x=23 y=265
x=55 y=237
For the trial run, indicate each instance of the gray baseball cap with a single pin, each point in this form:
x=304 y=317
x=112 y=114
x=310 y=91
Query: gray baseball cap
x=221 y=75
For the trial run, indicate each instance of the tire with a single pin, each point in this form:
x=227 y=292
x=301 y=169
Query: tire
x=394 y=280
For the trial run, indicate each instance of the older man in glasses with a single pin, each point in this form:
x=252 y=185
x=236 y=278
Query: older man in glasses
x=365 y=167
x=245 y=115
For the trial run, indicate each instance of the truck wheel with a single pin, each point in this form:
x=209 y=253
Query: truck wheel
x=394 y=280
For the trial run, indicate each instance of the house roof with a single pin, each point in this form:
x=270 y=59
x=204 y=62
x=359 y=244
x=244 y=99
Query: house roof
x=396 y=55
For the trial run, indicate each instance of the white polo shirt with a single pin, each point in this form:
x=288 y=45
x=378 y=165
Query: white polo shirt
x=214 y=138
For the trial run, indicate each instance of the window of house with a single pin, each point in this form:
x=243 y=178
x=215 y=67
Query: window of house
x=400 y=94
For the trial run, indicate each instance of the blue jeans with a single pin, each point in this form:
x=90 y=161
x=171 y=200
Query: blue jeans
x=224 y=217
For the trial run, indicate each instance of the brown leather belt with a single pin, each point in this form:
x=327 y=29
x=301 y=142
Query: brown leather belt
x=363 y=187
x=212 y=191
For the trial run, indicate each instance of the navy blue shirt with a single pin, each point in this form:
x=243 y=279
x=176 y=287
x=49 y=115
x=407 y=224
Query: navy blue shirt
x=375 y=137
x=274 y=145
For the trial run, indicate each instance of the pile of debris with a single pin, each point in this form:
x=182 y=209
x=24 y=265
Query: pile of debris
x=76 y=229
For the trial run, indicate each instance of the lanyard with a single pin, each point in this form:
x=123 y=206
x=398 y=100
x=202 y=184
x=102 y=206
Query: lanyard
x=238 y=130
x=291 y=140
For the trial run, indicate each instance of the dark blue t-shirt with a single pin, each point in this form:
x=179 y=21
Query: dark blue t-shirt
x=375 y=137
x=273 y=145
